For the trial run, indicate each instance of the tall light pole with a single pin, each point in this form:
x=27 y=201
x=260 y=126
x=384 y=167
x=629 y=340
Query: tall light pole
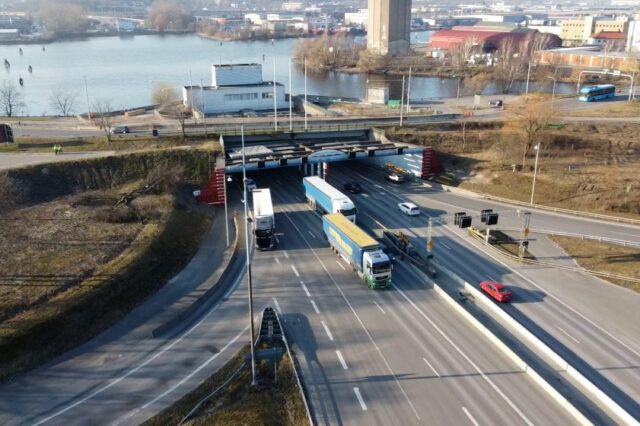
x=526 y=90
x=247 y=222
x=553 y=91
x=204 y=114
x=275 y=102
x=290 y=100
x=535 y=172
x=226 y=209
x=458 y=92
x=86 y=91
x=305 y=93
x=402 y=102
x=409 y=92
x=191 y=93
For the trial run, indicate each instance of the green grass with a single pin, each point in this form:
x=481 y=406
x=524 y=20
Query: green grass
x=273 y=402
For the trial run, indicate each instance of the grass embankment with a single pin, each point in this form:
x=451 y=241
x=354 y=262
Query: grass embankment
x=76 y=264
x=99 y=143
x=604 y=257
x=275 y=401
x=607 y=109
x=588 y=167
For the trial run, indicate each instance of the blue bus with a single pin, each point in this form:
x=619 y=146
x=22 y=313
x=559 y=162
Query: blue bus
x=597 y=93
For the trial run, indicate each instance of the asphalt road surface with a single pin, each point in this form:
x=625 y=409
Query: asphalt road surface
x=591 y=323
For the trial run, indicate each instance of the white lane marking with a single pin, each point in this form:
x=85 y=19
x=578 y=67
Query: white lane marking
x=383 y=193
x=306 y=290
x=340 y=265
x=342 y=361
x=312 y=234
x=315 y=307
x=295 y=271
x=379 y=224
x=181 y=382
x=468 y=414
x=570 y=336
x=431 y=367
x=379 y=307
x=490 y=278
x=286 y=255
x=465 y=356
x=365 y=195
x=326 y=329
x=355 y=314
x=444 y=245
x=377 y=186
x=277 y=240
x=277 y=260
x=356 y=390
x=134 y=370
x=275 y=302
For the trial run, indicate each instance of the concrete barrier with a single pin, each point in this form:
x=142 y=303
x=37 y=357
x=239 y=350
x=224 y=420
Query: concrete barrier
x=594 y=391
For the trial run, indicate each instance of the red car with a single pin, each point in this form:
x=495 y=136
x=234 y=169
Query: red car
x=496 y=290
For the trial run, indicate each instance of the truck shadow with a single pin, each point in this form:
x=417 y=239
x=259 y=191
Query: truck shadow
x=322 y=401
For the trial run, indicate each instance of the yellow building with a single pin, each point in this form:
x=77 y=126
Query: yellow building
x=579 y=31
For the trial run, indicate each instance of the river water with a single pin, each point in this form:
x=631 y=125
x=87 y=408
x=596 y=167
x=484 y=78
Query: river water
x=123 y=70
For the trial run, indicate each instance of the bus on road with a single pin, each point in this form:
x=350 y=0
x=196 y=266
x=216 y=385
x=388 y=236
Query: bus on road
x=597 y=93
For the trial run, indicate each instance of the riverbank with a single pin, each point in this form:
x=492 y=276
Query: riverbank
x=252 y=36
x=62 y=37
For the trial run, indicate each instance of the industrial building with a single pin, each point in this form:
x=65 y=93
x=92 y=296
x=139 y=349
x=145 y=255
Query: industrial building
x=235 y=88
x=389 y=29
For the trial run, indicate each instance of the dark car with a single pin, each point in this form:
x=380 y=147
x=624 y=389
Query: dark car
x=352 y=187
x=496 y=290
x=496 y=103
x=120 y=130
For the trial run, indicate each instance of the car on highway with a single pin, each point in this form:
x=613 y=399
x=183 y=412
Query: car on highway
x=409 y=209
x=120 y=130
x=352 y=187
x=496 y=103
x=251 y=185
x=394 y=178
x=496 y=291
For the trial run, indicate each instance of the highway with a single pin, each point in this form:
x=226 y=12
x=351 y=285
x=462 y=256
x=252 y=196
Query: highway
x=400 y=356
x=591 y=323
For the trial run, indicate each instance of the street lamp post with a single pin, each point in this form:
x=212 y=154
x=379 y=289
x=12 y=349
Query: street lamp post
x=458 y=93
x=535 y=172
x=248 y=255
x=553 y=91
x=526 y=90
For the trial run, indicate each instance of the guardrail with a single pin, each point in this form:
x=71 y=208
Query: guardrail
x=558 y=266
x=534 y=341
x=616 y=241
x=519 y=361
x=564 y=211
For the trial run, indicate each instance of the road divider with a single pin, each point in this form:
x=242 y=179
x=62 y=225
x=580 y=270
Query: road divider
x=533 y=341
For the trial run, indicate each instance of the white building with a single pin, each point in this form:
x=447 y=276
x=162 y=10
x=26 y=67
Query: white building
x=633 y=37
x=291 y=6
x=235 y=88
x=359 y=18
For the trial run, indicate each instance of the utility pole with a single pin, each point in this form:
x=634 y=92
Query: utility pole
x=526 y=91
x=248 y=255
x=402 y=103
x=535 y=172
x=191 y=96
x=275 y=101
x=305 y=93
x=409 y=93
x=86 y=91
x=204 y=115
x=290 y=100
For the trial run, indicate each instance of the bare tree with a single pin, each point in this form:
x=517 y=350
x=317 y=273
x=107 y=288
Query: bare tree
x=168 y=15
x=461 y=52
x=59 y=17
x=181 y=113
x=510 y=65
x=103 y=115
x=10 y=98
x=63 y=101
x=531 y=121
x=163 y=94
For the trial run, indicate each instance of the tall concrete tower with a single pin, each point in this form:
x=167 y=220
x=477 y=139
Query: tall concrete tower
x=389 y=30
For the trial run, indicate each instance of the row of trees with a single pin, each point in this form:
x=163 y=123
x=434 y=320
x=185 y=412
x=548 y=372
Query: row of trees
x=169 y=15
x=329 y=52
x=12 y=102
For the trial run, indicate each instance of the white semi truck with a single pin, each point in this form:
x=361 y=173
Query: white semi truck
x=328 y=199
x=264 y=224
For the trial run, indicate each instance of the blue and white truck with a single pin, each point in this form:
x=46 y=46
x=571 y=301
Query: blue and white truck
x=328 y=199
x=363 y=253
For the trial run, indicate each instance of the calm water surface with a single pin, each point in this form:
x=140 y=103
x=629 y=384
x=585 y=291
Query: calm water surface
x=124 y=70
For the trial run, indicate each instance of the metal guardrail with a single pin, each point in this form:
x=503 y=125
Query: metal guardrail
x=564 y=211
x=615 y=241
x=565 y=267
